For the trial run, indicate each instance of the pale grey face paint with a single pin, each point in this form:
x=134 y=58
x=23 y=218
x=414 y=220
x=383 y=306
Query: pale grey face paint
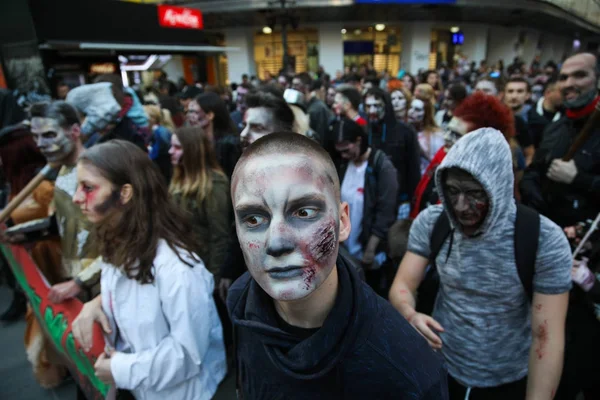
x=51 y=138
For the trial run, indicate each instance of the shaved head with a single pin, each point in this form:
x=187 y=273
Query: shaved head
x=578 y=80
x=289 y=143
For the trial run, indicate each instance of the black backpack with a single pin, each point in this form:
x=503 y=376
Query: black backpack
x=527 y=232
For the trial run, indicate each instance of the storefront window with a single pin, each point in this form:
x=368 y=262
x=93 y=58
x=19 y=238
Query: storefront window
x=303 y=47
x=366 y=45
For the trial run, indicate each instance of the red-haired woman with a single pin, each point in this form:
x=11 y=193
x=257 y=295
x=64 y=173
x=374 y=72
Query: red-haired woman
x=476 y=111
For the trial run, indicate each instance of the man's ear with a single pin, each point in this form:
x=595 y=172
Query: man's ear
x=210 y=116
x=126 y=193
x=345 y=226
x=75 y=132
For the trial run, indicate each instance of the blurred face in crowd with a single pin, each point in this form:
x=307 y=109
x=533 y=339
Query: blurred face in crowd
x=330 y=96
x=487 y=87
x=432 y=79
x=416 y=112
x=283 y=81
x=55 y=142
x=408 y=84
x=553 y=96
x=176 y=150
x=95 y=194
x=399 y=104
x=259 y=122
x=62 y=91
x=549 y=71
x=449 y=103
x=467 y=197
x=375 y=108
x=240 y=100
x=456 y=128
x=341 y=105
x=298 y=85
x=515 y=95
x=288 y=220
x=196 y=116
x=578 y=80
x=349 y=150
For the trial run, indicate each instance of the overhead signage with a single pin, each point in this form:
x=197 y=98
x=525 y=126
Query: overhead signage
x=180 y=17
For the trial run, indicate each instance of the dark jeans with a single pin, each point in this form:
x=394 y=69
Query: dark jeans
x=510 y=391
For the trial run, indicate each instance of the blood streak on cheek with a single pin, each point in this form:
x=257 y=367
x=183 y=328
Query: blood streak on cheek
x=252 y=245
x=324 y=244
x=90 y=197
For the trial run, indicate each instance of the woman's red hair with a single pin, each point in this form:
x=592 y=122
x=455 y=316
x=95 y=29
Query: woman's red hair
x=485 y=111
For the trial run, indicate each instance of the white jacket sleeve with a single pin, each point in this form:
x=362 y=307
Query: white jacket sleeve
x=185 y=296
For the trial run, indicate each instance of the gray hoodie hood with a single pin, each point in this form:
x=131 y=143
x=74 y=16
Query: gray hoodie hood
x=486 y=155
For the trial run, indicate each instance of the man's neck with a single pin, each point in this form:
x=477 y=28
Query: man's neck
x=311 y=311
x=72 y=158
x=352 y=114
x=518 y=110
x=363 y=158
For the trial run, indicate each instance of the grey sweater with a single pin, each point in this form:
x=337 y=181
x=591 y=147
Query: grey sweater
x=481 y=302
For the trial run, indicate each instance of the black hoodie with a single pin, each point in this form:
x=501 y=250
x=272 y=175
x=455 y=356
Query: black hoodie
x=364 y=350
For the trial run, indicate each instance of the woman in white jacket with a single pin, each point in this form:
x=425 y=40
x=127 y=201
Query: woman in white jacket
x=156 y=305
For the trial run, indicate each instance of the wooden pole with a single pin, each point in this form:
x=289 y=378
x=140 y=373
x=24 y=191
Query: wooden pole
x=27 y=190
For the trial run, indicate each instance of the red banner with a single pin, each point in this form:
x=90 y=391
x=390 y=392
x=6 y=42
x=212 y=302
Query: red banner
x=56 y=320
x=180 y=17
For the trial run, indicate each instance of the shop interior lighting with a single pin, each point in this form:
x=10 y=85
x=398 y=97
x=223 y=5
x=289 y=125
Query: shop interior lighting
x=357 y=32
x=267 y=30
x=455 y=29
x=344 y=31
x=144 y=67
x=379 y=27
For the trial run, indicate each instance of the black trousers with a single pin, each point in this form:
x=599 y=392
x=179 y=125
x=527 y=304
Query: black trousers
x=510 y=391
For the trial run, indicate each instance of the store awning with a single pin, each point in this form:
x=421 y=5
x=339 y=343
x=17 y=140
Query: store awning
x=135 y=47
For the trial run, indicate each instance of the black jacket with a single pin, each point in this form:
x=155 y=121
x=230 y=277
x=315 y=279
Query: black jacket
x=380 y=197
x=564 y=204
x=319 y=117
x=402 y=145
x=537 y=124
x=364 y=350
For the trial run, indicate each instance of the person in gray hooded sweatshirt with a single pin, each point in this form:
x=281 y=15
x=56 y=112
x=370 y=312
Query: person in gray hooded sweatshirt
x=497 y=344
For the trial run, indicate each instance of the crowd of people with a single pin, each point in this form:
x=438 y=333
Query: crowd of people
x=352 y=237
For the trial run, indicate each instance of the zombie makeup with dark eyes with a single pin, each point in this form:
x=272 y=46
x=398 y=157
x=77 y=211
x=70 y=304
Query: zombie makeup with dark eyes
x=287 y=221
x=51 y=139
x=467 y=197
x=375 y=108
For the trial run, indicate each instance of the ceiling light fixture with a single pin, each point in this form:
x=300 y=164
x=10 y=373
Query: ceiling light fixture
x=379 y=27
x=267 y=30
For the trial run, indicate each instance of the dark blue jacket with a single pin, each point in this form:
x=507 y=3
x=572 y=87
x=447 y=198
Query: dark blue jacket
x=364 y=350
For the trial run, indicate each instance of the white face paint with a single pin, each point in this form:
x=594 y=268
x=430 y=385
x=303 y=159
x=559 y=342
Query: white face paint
x=399 y=104
x=455 y=129
x=259 y=122
x=375 y=108
x=486 y=87
x=287 y=221
x=416 y=112
x=52 y=140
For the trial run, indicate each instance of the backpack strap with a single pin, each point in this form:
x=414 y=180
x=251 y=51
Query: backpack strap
x=527 y=234
x=441 y=231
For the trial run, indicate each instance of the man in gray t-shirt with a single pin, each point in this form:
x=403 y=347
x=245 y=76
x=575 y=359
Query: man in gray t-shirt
x=495 y=343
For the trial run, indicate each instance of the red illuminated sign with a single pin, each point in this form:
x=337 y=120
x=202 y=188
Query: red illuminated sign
x=180 y=17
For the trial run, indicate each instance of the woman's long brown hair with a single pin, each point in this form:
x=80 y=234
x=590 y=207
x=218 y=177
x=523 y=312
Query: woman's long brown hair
x=128 y=236
x=192 y=177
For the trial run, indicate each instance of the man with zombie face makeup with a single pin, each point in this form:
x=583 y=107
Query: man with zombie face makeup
x=56 y=130
x=395 y=139
x=305 y=325
x=495 y=344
